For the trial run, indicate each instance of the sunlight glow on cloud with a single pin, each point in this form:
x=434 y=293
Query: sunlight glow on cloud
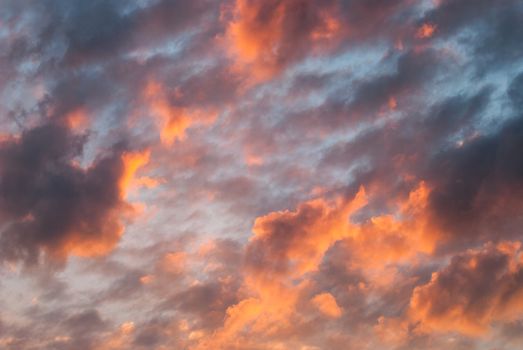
x=261 y=175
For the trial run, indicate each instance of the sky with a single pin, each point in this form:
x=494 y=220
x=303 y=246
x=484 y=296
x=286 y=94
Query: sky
x=261 y=174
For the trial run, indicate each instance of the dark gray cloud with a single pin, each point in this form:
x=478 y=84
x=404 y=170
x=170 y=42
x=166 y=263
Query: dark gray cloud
x=476 y=288
x=91 y=31
x=515 y=92
x=366 y=98
x=405 y=146
x=413 y=71
x=153 y=333
x=477 y=187
x=51 y=205
x=206 y=302
x=492 y=30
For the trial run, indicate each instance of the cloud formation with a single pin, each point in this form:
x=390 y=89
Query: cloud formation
x=53 y=206
x=475 y=290
x=269 y=175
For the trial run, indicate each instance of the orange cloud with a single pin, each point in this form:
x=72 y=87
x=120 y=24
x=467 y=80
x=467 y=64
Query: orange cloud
x=264 y=36
x=173 y=121
x=392 y=103
x=427 y=30
x=395 y=237
x=288 y=246
x=132 y=162
x=294 y=242
x=173 y=263
x=477 y=288
x=77 y=119
x=285 y=247
x=327 y=305
x=253 y=160
x=146 y=279
x=82 y=242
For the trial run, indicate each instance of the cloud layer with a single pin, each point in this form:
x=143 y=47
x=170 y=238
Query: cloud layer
x=261 y=175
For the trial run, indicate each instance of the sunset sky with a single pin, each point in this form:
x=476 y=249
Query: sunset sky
x=261 y=174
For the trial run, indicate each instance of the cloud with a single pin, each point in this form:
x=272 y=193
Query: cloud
x=52 y=205
x=327 y=305
x=492 y=30
x=477 y=288
x=294 y=242
x=425 y=31
x=172 y=121
x=476 y=191
x=285 y=247
x=265 y=38
x=324 y=174
x=289 y=254
x=268 y=36
x=98 y=30
x=515 y=92
x=369 y=97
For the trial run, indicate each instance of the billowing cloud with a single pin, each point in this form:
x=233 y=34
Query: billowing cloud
x=52 y=205
x=475 y=290
x=293 y=243
x=270 y=35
